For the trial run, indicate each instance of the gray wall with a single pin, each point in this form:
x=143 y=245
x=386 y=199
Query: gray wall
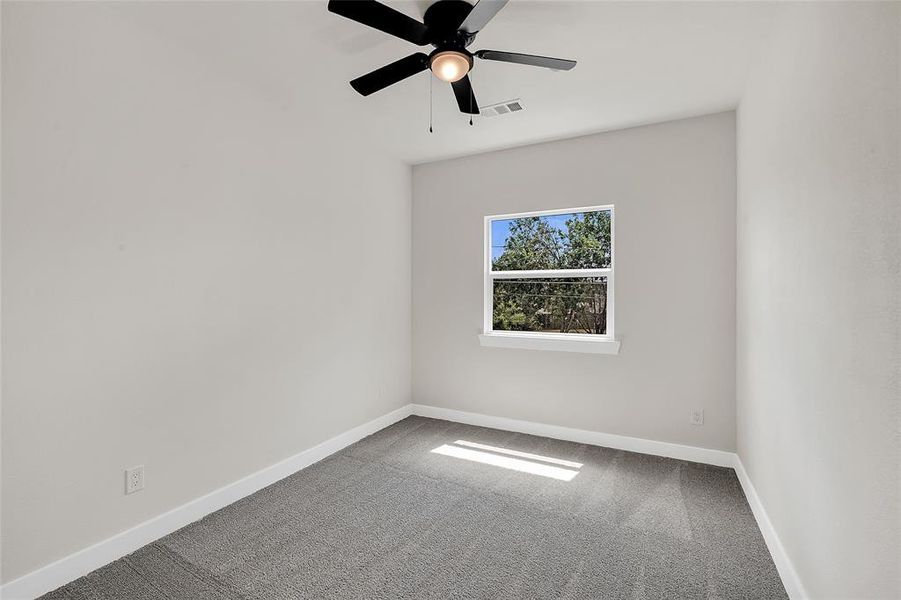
x=673 y=186
x=819 y=224
x=179 y=289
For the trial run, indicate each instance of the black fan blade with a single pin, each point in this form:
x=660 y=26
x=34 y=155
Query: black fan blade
x=559 y=64
x=481 y=13
x=466 y=99
x=381 y=17
x=391 y=74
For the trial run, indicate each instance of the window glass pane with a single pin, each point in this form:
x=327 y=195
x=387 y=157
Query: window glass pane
x=567 y=241
x=557 y=305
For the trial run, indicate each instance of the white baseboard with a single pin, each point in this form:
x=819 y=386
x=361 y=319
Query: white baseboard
x=708 y=456
x=790 y=579
x=81 y=563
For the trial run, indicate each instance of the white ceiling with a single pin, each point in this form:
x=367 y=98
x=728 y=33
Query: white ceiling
x=638 y=62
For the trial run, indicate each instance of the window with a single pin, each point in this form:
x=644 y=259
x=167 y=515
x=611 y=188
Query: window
x=549 y=280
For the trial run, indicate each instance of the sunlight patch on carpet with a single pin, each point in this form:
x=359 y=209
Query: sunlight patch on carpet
x=498 y=459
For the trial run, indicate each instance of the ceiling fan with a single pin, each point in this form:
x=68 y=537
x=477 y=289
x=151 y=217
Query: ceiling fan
x=450 y=26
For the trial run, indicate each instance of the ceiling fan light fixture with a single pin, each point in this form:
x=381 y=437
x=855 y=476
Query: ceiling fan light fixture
x=450 y=65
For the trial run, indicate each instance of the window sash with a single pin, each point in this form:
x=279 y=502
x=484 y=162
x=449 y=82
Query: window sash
x=491 y=275
x=538 y=275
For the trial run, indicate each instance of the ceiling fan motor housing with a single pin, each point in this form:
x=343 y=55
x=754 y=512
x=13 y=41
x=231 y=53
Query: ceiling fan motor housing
x=443 y=18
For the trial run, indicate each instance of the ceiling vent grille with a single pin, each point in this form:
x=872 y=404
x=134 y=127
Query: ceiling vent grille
x=502 y=108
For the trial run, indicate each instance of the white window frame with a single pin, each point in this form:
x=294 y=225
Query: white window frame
x=567 y=342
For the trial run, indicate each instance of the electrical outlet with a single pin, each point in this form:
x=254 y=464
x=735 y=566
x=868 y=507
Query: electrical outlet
x=134 y=479
x=697 y=416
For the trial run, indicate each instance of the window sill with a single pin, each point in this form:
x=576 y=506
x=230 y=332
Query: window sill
x=558 y=343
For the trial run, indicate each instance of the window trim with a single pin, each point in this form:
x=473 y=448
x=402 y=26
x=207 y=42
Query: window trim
x=568 y=342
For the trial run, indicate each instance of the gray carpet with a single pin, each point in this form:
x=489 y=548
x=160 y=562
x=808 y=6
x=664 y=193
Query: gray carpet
x=388 y=518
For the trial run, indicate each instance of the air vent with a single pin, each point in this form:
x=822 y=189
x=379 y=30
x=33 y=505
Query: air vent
x=502 y=108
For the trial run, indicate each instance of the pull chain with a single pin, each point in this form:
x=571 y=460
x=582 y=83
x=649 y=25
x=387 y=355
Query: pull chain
x=471 y=96
x=430 y=103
